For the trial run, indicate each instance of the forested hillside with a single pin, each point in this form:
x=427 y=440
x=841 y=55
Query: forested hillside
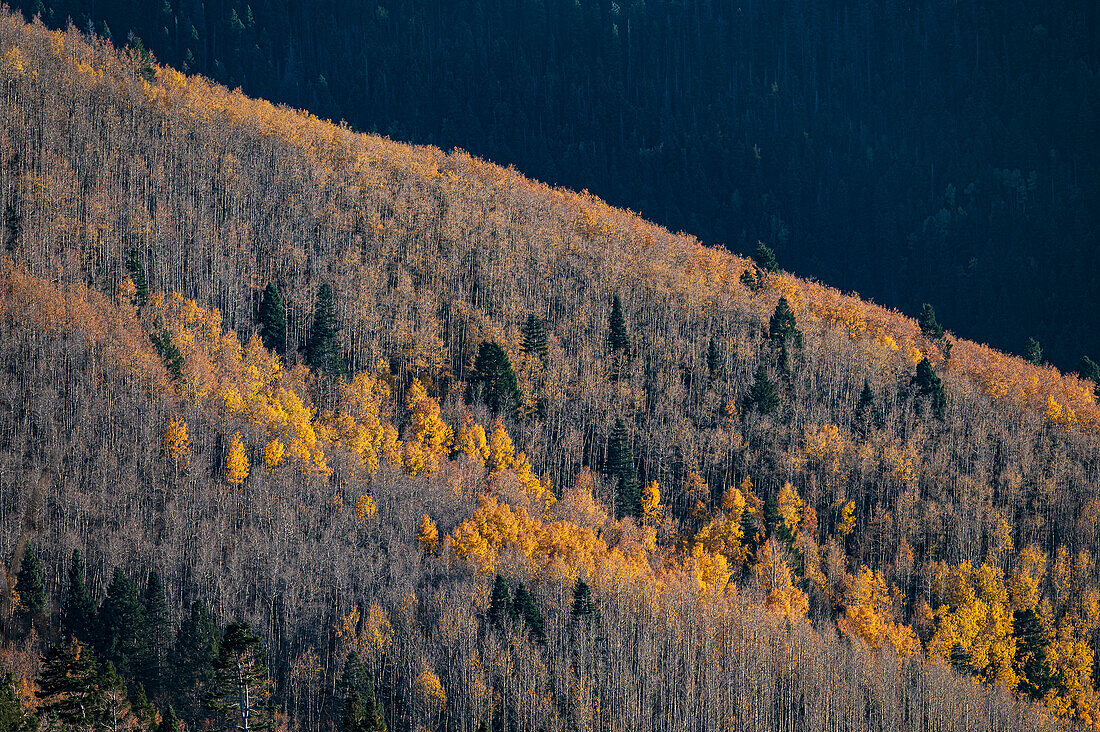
x=930 y=151
x=424 y=444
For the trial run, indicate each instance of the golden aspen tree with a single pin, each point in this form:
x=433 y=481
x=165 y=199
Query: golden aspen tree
x=501 y=451
x=428 y=534
x=471 y=439
x=652 y=510
x=869 y=614
x=365 y=507
x=236 y=461
x=847 y=520
x=274 y=451
x=177 y=443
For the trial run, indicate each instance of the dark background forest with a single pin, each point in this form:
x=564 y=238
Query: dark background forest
x=925 y=151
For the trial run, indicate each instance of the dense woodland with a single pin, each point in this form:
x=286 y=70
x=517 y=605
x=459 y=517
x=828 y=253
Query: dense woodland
x=930 y=151
x=419 y=443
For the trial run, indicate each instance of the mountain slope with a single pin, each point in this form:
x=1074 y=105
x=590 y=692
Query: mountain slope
x=118 y=177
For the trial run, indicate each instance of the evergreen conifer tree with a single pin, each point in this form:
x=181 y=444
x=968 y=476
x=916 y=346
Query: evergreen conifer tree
x=582 y=599
x=122 y=626
x=534 y=337
x=1034 y=352
x=354 y=714
x=241 y=686
x=114 y=711
x=78 y=612
x=1091 y=370
x=617 y=336
x=765 y=258
x=12 y=716
x=929 y=326
x=929 y=384
x=272 y=317
x=31 y=585
x=500 y=603
x=620 y=468
x=69 y=689
x=494 y=378
x=323 y=350
x=782 y=325
x=523 y=607
x=762 y=396
x=137 y=276
x=157 y=636
x=169 y=722
x=193 y=657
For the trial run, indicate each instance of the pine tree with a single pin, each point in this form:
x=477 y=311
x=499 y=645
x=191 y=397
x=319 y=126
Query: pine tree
x=167 y=350
x=929 y=384
x=122 y=626
x=169 y=722
x=1034 y=352
x=1091 y=370
x=78 y=612
x=12 y=716
x=137 y=276
x=31 y=585
x=617 y=336
x=500 y=603
x=765 y=258
x=323 y=350
x=928 y=324
x=193 y=657
x=782 y=325
x=582 y=599
x=524 y=608
x=620 y=468
x=534 y=337
x=762 y=396
x=114 y=711
x=354 y=714
x=13 y=225
x=145 y=712
x=69 y=688
x=494 y=379
x=157 y=637
x=272 y=317
x=865 y=409
x=1036 y=678
x=241 y=686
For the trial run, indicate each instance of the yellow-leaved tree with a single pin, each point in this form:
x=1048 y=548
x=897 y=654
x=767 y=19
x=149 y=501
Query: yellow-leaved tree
x=177 y=443
x=236 y=461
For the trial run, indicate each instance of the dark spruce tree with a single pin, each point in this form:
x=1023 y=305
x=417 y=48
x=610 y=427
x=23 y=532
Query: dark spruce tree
x=764 y=257
x=534 y=337
x=619 y=467
x=169 y=721
x=241 y=688
x=762 y=396
x=30 y=583
x=782 y=327
x=12 y=716
x=524 y=608
x=158 y=636
x=78 y=614
x=272 y=320
x=493 y=380
x=865 y=413
x=929 y=326
x=582 y=599
x=1091 y=370
x=1034 y=352
x=193 y=658
x=69 y=692
x=323 y=350
x=617 y=337
x=123 y=631
x=930 y=385
x=500 y=602
x=167 y=350
x=137 y=275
